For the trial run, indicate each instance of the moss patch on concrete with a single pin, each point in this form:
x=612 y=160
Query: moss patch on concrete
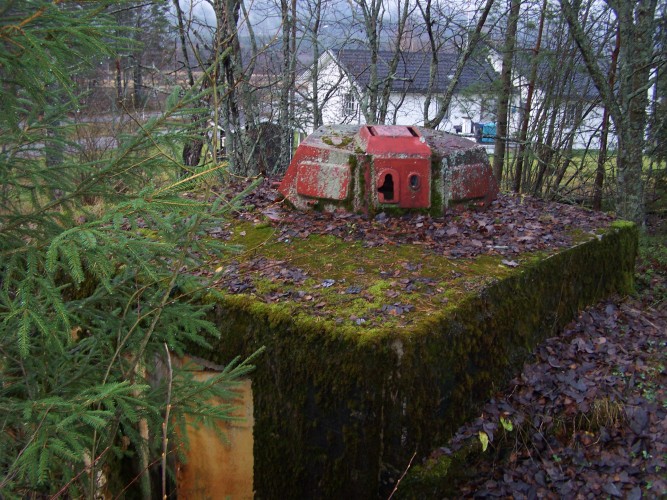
x=341 y=404
x=346 y=279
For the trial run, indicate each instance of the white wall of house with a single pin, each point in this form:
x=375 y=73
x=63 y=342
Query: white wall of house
x=408 y=109
x=336 y=94
x=339 y=99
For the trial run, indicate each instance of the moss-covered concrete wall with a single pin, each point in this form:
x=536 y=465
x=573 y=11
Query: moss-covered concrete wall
x=340 y=411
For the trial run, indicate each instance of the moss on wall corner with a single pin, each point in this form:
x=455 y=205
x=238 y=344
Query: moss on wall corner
x=508 y=320
x=340 y=409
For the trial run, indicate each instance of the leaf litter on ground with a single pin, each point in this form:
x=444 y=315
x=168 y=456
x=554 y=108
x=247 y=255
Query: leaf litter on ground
x=511 y=226
x=589 y=412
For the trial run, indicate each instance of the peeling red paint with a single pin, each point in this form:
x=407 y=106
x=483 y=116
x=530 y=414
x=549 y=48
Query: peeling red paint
x=472 y=182
x=329 y=181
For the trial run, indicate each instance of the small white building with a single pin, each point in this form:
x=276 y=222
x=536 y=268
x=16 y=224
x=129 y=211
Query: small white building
x=344 y=77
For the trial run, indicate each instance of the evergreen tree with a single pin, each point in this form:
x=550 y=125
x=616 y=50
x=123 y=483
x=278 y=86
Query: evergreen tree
x=97 y=270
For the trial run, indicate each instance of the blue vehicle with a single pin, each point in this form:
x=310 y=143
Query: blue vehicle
x=485 y=132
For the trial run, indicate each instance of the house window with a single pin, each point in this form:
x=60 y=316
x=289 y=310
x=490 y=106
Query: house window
x=572 y=113
x=349 y=104
x=487 y=109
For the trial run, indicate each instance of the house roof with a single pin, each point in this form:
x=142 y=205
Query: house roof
x=269 y=61
x=412 y=72
x=551 y=70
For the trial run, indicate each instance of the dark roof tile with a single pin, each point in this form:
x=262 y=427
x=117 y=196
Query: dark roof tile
x=412 y=72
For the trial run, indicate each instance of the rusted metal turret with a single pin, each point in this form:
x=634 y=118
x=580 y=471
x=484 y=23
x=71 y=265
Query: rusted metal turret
x=378 y=167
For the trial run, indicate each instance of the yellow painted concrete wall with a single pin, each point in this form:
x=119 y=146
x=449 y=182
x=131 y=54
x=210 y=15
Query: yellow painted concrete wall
x=218 y=468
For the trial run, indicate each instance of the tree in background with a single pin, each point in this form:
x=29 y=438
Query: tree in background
x=549 y=92
x=626 y=102
x=287 y=82
x=528 y=106
x=310 y=27
x=657 y=138
x=560 y=105
x=98 y=285
x=224 y=46
x=546 y=159
x=369 y=19
x=143 y=28
x=436 y=43
x=505 y=92
x=604 y=133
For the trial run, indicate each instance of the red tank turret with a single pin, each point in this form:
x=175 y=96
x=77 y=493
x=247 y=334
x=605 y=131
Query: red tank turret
x=376 y=167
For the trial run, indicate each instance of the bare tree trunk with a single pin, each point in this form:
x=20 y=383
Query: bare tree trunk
x=137 y=81
x=465 y=55
x=292 y=91
x=136 y=58
x=541 y=130
x=626 y=103
x=393 y=64
x=315 y=70
x=184 y=47
x=238 y=127
x=545 y=155
x=119 y=82
x=372 y=16
x=435 y=48
x=602 y=155
x=286 y=84
x=566 y=156
x=523 y=135
x=192 y=149
x=319 y=92
x=505 y=91
x=561 y=74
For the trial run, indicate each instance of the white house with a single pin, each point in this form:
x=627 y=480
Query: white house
x=344 y=77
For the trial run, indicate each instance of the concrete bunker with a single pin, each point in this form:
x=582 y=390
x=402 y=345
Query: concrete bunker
x=341 y=405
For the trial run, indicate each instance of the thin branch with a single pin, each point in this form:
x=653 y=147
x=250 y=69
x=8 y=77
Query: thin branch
x=402 y=475
x=165 y=424
x=590 y=60
x=447 y=98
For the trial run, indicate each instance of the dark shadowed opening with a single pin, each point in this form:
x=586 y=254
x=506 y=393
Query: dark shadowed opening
x=387 y=188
